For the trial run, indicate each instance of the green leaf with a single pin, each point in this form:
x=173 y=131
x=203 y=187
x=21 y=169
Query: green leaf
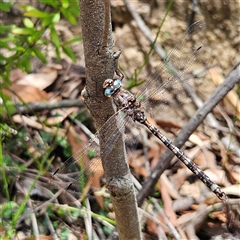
x=58 y=54
x=54 y=37
x=74 y=8
x=65 y=4
x=36 y=14
x=52 y=3
x=25 y=61
x=8 y=209
x=47 y=21
x=68 y=15
x=5 y=77
x=91 y=153
x=5 y=6
x=5 y=28
x=69 y=52
x=22 y=31
x=73 y=40
x=28 y=23
x=67 y=151
x=2 y=57
x=27 y=8
x=56 y=17
x=10 y=107
x=39 y=54
x=19 y=48
x=3 y=44
x=36 y=36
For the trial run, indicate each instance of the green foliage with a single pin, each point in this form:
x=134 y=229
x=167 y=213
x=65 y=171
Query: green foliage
x=24 y=42
x=7 y=210
x=67 y=149
x=5 y=6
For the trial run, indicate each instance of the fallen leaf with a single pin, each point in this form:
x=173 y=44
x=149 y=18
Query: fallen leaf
x=76 y=140
x=232 y=96
x=40 y=80
x=60 y=115
x=95 y=165
x=218 y=176
x=168 y=205
x=232 y=190
x=26 y=93
x=34 y=124
x=164 y=181
x=16 y=74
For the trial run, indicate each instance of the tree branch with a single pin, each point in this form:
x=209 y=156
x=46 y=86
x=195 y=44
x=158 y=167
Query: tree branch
x=100 y=65
x=41 y=106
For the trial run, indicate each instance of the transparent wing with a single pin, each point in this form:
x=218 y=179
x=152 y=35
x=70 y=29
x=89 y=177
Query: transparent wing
x=84 y=167
x=166 y=86
x=162 y=89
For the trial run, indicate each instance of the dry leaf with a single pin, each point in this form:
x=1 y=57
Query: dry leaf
x=168 y=205
x=218 y=176
x=205 y=159
x=232 y=97
x=34 y=124
x=137 y=161
x=76 y=140
x=16 y=74
x=95 y=167
x=27 y=93
x=232 y=190
x=60 y=115
x=39 y=80
x=169 y=186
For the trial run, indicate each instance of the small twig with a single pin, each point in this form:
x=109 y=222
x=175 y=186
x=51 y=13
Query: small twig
x=231 y=80
x=50 y=227
x=85 y=129
x=22 y=188
x=88 y=220
x=40 y=106
x=199 y=103
x=166 y=219
x=151 y=217
x=44 y=205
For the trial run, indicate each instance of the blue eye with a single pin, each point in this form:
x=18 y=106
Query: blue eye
x=117 y=84
x=108 y=92
x=112 y=87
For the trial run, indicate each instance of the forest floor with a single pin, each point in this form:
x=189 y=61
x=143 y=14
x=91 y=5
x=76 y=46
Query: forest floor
x=192 y=209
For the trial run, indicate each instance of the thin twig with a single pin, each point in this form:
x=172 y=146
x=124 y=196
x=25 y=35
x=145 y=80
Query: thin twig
x=166 y=219
x=50 y=227
x=40 y=106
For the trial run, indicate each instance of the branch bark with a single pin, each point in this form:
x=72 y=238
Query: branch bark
x=100 y=65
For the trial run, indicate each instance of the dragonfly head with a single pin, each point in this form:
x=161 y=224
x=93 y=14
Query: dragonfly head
x=111 y=86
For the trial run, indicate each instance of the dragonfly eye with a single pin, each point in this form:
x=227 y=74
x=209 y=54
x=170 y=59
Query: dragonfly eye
x=109 y=91
x=117 y=84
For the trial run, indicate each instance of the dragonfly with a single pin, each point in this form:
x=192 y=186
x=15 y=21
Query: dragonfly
x=175 y=73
